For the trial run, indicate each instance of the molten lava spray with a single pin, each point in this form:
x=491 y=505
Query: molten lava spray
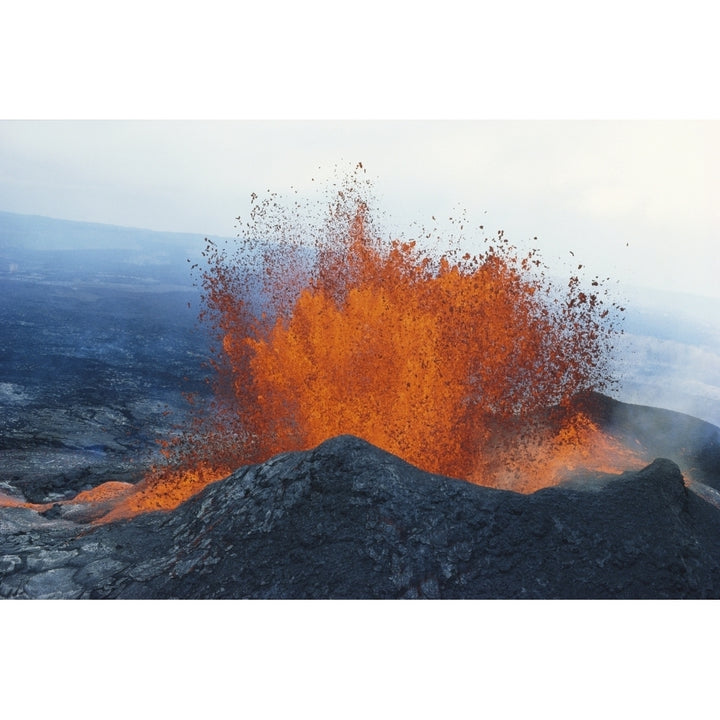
x=462 y=364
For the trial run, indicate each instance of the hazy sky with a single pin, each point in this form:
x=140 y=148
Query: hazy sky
x=636 y=200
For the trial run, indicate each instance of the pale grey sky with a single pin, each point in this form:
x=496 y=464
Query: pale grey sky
x=636 y=200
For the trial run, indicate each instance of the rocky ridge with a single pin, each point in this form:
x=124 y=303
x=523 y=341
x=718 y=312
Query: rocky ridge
x=347 y=520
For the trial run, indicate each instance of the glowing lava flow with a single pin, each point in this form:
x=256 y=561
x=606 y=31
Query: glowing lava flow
x=164 y=490
x=99 y=500
x=553 y=452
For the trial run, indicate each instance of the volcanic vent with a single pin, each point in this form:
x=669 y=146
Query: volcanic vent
x=462 y=363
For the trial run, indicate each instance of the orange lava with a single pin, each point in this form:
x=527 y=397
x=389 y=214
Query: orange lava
x=448 y=359
x=107 y=492
x=103 y=498
x=9 y=501
x=114 y=500
x=163 y=490
x=552 y=452
x=431 y=356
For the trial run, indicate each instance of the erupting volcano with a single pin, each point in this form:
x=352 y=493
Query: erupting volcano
x=382 y=414
x=464 y=364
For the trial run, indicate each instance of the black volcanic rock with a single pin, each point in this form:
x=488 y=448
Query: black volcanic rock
x=347 y=520
x=92 y=374
x=691 y=443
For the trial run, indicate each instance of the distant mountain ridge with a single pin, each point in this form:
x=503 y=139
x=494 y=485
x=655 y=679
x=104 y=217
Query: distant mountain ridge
x=39 y=232
x=42 y=249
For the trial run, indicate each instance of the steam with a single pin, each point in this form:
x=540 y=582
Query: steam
x=669 y=355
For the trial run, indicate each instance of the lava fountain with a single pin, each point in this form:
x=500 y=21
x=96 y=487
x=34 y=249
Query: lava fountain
x=464 y=364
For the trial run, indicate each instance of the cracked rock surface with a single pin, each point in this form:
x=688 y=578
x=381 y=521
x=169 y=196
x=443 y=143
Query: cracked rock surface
x=347 y=520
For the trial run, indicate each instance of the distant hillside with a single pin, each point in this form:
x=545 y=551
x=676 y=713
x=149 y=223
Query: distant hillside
x=47 y=249
x=36 y=232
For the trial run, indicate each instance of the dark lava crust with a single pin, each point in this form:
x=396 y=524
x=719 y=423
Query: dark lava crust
x=347 y=520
